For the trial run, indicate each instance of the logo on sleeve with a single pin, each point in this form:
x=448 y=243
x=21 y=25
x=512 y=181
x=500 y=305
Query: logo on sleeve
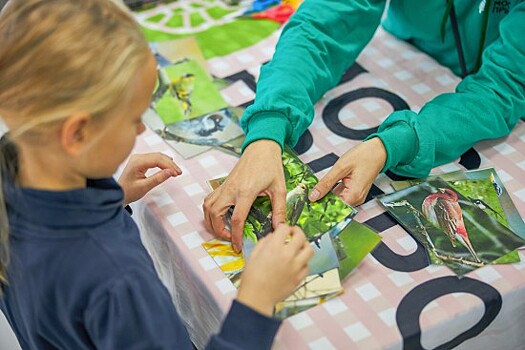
x=501 y=6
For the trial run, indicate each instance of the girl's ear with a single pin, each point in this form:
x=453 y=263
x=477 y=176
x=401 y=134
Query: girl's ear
x=75 y=133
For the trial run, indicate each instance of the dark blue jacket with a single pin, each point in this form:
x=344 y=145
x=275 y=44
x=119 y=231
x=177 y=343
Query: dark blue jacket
x=80 y=279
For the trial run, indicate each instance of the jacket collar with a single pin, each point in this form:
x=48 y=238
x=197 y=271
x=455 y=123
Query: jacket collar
x=98 y=203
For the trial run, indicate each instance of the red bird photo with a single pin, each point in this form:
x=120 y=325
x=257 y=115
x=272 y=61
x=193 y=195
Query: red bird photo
x=452 y=226
x=443 y=210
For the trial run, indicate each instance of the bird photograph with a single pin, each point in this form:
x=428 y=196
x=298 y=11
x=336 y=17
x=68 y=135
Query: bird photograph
x=295 y=202
x=184 y=91
x=454 y=222
x=260 y=218
x=314 y=218
x=213 y=129
x=443 y=211
x=179 y=88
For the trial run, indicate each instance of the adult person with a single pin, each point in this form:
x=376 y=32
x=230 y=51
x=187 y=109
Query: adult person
x=478 y=40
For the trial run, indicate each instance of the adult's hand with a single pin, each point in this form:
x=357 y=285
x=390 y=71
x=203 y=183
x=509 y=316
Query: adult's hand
x=258 y=172
x=357 y=170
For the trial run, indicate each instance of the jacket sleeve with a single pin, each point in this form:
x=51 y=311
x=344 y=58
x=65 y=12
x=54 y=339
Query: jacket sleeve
x=485 y=105
x=245 y=328
x=317 y=45
x=135 y=311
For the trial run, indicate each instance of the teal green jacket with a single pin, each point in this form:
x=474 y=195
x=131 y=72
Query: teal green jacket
x=325 y=37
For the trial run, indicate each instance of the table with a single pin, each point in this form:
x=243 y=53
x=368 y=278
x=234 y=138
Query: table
x=394 y=299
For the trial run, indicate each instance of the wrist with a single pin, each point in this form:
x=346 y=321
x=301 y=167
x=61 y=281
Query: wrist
x=400 y=142
x=378 y=153
x=255 y=301
x=265 y=144
x=125 y=198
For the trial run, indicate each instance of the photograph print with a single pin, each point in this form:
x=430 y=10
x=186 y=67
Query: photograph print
x=455 y=230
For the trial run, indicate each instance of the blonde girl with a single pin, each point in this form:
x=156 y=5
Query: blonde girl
x=75 y=78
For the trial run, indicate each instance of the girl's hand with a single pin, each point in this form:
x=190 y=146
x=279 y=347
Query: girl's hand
x=277 y=265
x=357 y=168
x=134 y=181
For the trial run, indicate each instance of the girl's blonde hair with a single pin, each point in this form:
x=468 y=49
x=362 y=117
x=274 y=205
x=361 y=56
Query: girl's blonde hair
x=58 y=57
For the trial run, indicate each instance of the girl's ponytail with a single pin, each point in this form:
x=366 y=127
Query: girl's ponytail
x=8 y=170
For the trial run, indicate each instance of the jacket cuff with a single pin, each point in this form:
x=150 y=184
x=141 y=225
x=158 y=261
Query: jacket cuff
x=267 y=126
x=400 y=142
x=245 y=327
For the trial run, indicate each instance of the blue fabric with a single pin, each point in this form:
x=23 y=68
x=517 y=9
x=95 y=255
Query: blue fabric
x=80 y=279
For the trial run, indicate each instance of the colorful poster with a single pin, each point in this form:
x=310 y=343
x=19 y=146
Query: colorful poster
x=218 y=27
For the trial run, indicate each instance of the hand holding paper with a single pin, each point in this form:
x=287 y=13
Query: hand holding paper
x=264 y=281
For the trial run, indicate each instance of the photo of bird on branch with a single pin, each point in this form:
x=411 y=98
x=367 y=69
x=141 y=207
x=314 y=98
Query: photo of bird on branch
x=314 y=218
x=453 y=227
x=184 y=91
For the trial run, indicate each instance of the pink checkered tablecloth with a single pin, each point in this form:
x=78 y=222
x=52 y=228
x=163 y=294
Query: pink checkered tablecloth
x=394 y=299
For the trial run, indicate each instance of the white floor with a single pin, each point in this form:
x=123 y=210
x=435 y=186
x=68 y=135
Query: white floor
x=7 y=338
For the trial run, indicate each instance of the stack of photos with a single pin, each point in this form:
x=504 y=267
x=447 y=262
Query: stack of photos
x=339 y=243
x=187 y=110
x=461 y=221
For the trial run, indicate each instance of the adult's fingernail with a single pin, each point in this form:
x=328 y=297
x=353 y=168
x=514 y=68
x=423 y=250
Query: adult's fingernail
x=314 y=195
x=236 y=248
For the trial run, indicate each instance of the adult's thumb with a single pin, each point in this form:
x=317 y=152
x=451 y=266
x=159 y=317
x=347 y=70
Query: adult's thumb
x=278 y=209
x=324 y=185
